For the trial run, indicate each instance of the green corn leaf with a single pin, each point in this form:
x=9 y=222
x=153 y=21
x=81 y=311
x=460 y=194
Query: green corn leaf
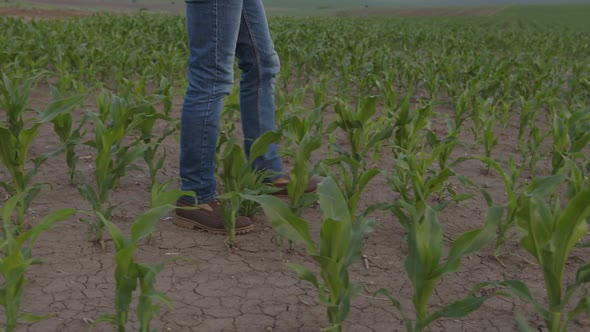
x=7 y=209
x=31 y=193
x=425 y=246
x=89 y=194
x=58 y=107
x=520 y=290
x=25 y=138
x=330 y=271
x=284 y=221
x=583 y=274
x=260 y=146
x=462 y=197
x=115 y=232
x=523 y=325
x=342 y=159
x=535 y=219
x=472 y=241
x=583 y=306
x=332 y=201
x=350 y=293
x=110 y=319
x=237 y=162
x=305 y=274
x=397 y=304
x=572 y=224
x=334 y=239
x=158 y=296
x=459 y=308
x=360 y=229
x=9 y=189
x=7 y=148
x=144 y=225
x=383 y=135
x=162 y=195
x=366 y=177
x=425 y=249
x=433 y=184
x=126 y=273
x=30 y=318
x=368 y=109
x=44 y=225
x=62 y=126
x=544 y=186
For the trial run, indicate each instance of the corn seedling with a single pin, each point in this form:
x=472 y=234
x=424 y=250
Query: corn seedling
x=443 y=149
x=70 y=136
x=409 y=126
x=341 y=239
x=131 y=274
x=239 y=177
x=363 y=136
x=17 y=135
x=511 y=179
x=571 y=134
x=425 y=267
x=414 y=178
x=111 y=126
x=303 y=137
x=17 y=256
x=550 y=232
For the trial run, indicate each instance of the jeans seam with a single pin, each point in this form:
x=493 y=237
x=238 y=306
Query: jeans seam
x=259 y=66
x=213 y=87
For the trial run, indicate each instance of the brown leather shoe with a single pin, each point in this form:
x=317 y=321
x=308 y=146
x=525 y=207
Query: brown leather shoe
x=208 y=217
x=283 y=181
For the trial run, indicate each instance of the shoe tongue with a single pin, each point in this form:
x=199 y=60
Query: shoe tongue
x=206 y=207
x=281 y=180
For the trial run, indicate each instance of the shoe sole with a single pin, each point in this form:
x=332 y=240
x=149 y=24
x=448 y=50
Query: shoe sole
x=186 y=223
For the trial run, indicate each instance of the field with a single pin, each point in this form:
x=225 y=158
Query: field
x=455 y=151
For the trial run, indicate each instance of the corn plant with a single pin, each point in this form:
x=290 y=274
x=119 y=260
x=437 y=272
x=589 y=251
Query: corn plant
x=145 y=120
x=17 y=256
x=363 y=136
x=512 y=185
x=425 y=266
x=239 y=177
x=549 y=233
x=488 y=139
x=131 y=274
x=443 y=149
x=112 y=124
x=416 y=181
x=17 y=135
x=570 y=136
x=531 y=145
x=340 y=245
x=229 y=116
x=70 y=136
x=303 y=136
x=409 y=125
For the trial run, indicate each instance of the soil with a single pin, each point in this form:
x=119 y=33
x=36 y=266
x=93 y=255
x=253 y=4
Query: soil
x=250 y=288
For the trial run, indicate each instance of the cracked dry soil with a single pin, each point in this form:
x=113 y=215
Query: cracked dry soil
x=250 y=288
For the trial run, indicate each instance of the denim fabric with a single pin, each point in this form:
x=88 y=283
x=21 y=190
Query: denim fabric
x=218 y=31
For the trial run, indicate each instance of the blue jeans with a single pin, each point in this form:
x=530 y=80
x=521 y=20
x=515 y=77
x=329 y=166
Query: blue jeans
x=218 y=31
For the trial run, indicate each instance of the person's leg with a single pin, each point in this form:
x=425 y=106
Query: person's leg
x=212 y=27
x=259 y=64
